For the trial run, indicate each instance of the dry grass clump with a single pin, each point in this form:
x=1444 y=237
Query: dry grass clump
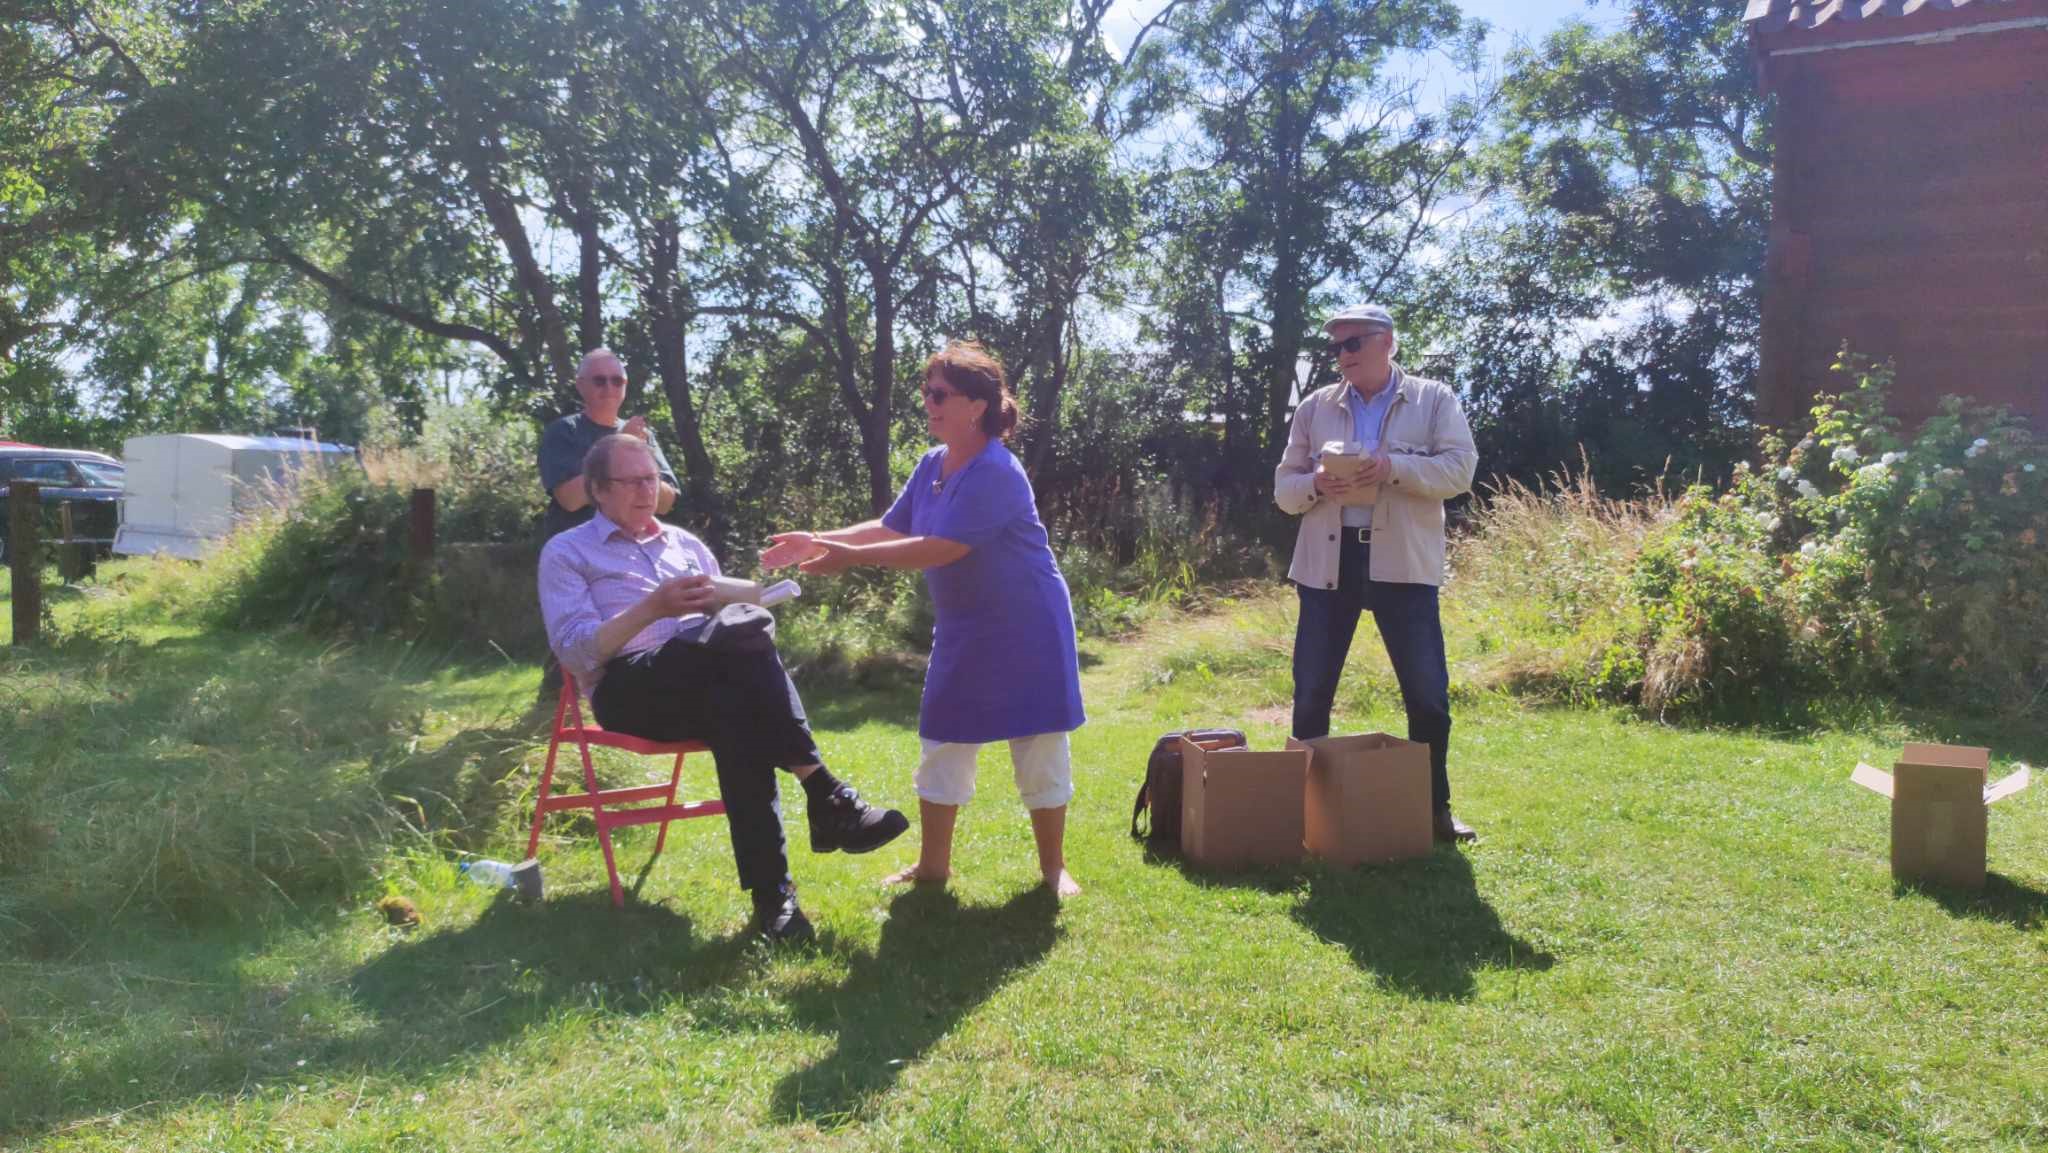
x=1541 y=583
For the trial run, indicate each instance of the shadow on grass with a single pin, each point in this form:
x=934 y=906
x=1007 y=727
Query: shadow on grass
x=1421 y=925
x=176 y=1017
x=512 y=966
x=2001 y=899
x=937 y=961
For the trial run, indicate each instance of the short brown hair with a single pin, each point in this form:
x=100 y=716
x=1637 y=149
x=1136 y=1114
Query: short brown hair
x=597 y=463
x=976 y=374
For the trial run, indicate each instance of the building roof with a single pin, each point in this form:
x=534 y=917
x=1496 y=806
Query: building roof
x=1836 y=14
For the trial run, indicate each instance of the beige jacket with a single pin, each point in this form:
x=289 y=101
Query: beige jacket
x=1430 y=446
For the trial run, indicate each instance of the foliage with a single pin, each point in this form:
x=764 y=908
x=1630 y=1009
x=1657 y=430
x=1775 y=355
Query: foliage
x=328 y=555
x=1610 y=301
x=1855 y=561
x=480 y=465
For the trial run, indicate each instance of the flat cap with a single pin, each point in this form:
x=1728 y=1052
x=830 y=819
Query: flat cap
x=1361 y=314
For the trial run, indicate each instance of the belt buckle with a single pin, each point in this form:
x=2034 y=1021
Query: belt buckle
x=1362 y=535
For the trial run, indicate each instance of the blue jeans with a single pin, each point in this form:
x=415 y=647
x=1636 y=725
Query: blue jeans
x=1414 y=635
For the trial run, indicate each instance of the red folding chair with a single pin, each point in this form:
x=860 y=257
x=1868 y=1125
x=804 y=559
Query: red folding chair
x=586 y=734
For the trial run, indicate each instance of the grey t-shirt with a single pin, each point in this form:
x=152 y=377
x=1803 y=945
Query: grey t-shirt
x=562 y=447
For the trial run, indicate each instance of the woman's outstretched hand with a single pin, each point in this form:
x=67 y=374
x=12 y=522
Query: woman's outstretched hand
x=834 y=557
x=791 y=548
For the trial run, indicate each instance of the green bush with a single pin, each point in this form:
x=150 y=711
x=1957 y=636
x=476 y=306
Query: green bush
x=329 y=555
x=1914 y=563
x=482 y=466
x=1854 y=561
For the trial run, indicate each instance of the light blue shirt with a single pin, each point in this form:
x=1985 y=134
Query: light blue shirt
x=1367 y=417
x=596 y=571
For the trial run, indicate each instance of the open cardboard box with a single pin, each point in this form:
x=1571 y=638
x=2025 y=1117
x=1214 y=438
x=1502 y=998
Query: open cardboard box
x=1367 y=799
x=1239 y=807
x=1939 y=795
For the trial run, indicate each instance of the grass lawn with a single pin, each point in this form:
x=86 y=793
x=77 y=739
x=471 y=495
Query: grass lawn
x=1667 y=939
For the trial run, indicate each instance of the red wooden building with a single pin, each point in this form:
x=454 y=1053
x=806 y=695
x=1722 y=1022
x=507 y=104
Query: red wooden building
x=1910 y=203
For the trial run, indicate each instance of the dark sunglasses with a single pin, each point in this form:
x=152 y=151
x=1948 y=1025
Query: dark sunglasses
x=937 y=395
x=606 y=381
x=1350 y=343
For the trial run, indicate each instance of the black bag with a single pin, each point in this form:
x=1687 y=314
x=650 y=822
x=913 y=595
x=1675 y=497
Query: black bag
x=1161 y=790
x=737 y=628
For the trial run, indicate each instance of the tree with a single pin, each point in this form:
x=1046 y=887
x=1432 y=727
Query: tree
x=1639 y=167
x=1318 y=166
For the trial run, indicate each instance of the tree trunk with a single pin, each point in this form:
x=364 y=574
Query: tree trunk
x=669 y=321
x=533 y=280
x=1052 y=390
x=874 y=431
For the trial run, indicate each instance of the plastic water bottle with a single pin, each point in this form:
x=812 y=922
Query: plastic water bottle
x=523 y=878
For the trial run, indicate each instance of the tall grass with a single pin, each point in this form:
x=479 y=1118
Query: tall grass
x=1542 y=581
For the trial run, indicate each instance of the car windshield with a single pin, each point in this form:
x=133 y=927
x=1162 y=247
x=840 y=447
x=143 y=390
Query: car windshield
x=100 y=475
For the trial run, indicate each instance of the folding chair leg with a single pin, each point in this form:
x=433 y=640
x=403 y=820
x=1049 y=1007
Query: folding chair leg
x=674 y=779
x=540 y=803
x=547 y=776
x=611 y=866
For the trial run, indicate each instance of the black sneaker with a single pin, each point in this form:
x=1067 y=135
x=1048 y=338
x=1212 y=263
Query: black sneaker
x=844 y=822
x=778 y=919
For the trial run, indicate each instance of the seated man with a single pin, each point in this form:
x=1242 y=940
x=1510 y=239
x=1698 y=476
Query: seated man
x=625 y=598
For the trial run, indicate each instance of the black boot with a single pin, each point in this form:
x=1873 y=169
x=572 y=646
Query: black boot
x=777 y=916
x=842 y=822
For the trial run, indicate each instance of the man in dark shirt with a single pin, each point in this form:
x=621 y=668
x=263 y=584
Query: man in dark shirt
x=601 y=382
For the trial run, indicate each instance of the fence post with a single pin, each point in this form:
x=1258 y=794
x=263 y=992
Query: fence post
x=420 y=525
x=74 y=560
x=25 y=555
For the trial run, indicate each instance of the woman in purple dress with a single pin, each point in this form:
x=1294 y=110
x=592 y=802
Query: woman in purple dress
x=1004 y=665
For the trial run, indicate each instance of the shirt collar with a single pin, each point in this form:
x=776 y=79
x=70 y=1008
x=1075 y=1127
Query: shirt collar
x=607 y=528
x=1397 y=385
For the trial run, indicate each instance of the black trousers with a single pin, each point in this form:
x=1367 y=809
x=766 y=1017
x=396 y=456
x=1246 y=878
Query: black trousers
x=746 y=708
x=1413 y=632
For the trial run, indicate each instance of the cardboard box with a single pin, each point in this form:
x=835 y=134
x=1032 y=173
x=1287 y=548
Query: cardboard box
x=1939 y=797
x=1367 y=799
x=1239 y=807
x=1346 y=458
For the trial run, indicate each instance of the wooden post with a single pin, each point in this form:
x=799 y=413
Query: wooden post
x=74 y=560
x=420 y=522
x=25 y=554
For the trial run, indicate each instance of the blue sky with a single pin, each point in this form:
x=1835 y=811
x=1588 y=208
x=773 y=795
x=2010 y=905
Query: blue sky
x=1510 y=20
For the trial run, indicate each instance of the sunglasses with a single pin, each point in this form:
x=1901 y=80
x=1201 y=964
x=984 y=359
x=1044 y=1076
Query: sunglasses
x=1350 y=343
x=938 y=396
x=606 y=381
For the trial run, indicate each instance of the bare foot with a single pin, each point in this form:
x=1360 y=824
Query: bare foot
x=1064 y=885
x=911 y=876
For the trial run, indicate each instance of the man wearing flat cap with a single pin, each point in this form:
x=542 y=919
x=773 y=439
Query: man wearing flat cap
x=1372 y=531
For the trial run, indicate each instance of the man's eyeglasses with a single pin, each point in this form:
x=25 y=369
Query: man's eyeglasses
x=606 y=381
x=1350 y=343
x=645 y=483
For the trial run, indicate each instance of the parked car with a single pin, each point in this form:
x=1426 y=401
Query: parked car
x=91 y=481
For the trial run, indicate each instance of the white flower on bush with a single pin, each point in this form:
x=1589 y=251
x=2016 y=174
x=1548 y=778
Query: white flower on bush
x=1891 y=458
x=1948 y=474
x=1807 y=489
x=1980 y=442
x=2026 y=468
x=1787 y=473
x=1972 y=452
x=1847 y=454
x=1772 y=524
x=1872 y=472
x=1809 y=549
